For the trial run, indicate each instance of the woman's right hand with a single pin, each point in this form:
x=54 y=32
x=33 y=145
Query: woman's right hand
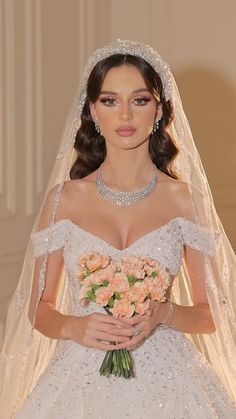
x=93 y=329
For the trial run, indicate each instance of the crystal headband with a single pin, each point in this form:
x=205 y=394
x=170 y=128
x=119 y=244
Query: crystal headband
x=120 y=46
x=124 y=46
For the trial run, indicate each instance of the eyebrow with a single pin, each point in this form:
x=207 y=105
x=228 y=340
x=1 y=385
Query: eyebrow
x=108 y=92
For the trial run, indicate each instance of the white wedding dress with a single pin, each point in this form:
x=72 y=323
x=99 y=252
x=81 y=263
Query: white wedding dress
x=172 y=378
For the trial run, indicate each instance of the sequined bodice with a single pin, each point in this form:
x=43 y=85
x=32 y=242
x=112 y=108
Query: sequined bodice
x=165 y=244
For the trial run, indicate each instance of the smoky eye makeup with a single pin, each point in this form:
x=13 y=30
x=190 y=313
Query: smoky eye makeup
x=143 y=99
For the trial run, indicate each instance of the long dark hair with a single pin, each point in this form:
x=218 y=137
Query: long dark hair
x=91 y=146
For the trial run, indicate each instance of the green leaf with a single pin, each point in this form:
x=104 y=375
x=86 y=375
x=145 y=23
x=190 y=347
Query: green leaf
x=96 y=287
x=87 y=273
x=154 y=274
x=131 y=279
x=117 y=295
x=111 y=301
x=91 y=295
x=105 y=283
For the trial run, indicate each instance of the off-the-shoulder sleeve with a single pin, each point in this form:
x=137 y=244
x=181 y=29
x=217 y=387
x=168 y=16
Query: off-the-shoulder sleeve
x=49 y=239
x=199 y=237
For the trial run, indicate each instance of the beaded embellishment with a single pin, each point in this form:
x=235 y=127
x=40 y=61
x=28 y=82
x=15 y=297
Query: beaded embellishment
x=120 y=46
x=124 y=46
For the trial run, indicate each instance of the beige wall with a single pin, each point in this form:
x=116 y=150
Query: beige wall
x=43 y=46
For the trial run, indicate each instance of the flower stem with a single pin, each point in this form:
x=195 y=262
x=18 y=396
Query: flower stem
x=118 y=362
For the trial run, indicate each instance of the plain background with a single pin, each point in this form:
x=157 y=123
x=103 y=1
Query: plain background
x=43 y=47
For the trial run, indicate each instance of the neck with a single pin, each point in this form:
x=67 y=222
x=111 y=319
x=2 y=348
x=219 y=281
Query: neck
x=127 y=175
x=130 y=171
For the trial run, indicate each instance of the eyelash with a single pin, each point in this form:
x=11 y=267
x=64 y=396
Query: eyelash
x=146 y=100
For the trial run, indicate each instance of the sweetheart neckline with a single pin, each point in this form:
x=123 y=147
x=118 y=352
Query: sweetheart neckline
x=109 y=245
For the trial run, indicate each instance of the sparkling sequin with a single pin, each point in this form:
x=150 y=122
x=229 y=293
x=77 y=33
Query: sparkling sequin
x=172 y=378
x=124 y=46
x=164 y=243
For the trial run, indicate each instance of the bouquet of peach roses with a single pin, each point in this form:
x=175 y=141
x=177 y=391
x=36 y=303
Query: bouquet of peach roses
x=123 y=288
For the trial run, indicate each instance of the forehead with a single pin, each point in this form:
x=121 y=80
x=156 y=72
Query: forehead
x=123 y=76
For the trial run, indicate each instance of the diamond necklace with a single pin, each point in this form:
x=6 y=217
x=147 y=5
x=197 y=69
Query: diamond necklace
x=122 y=198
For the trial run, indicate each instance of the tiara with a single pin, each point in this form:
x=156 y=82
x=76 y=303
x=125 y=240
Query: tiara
x=120 y=46
x=124 y=46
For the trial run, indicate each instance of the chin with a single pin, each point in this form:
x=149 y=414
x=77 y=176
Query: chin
x=127 y=143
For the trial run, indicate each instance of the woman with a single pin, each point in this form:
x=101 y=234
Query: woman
x=134 y=155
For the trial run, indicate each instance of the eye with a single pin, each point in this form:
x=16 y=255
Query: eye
x=140 y=101
x=107 y=101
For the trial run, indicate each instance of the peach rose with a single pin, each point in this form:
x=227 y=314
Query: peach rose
x=80 y=274
x=83 y=294
x=157 y=292
x=150 y=269
x=156 y=295
x=123 y=308
x=94 y=260
x=163 y=281
x=133 y=265
x=154 y=266
x=128 y=295
x=94 y=278
x=103 y=295
x=141 y=308
x=150 y=261
x=119 y=282
x=140 y=291
x=109 y=272
x=133 y=270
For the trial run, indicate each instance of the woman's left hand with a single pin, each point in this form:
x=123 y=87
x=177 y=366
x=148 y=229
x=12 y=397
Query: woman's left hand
x=146 y=322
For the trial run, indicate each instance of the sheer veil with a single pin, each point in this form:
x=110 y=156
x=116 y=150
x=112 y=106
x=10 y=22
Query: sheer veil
x=25 y=352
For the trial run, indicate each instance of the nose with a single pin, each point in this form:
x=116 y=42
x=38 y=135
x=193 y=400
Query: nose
x=125 y=111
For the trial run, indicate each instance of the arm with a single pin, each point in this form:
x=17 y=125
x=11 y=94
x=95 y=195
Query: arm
x=42 y=314
x=188 y=319
x=196 y=318
x=89 y=330
x=48 y=320
x=192 y=319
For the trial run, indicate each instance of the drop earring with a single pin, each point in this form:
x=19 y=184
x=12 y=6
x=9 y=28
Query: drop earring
x=97 y=127
x=156 y=126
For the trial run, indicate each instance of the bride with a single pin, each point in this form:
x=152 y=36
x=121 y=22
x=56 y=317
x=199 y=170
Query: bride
x=127 y=182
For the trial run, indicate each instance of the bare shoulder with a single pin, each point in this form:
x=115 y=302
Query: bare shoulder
x=179 y=195
x=171 y=185
x=78 y=187
x=74 y=196
x=69 y=188
x=77 y=195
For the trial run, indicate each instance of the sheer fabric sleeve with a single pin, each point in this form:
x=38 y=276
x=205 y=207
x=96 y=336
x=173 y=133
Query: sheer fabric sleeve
x=199 y=242
x=26 y=351
x=48 y=243
x=206 y=277
x=198 y=236
x=49 y=239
